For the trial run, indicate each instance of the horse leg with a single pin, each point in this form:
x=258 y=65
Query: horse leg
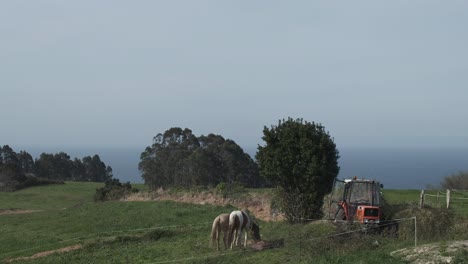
x=217 y=239
x=233 y=241
x=239 y=238
x=245 y=240
x=236 y=241
x=225 y=240
x=231 y=237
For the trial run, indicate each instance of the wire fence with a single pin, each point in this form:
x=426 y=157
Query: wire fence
x=453 y=199
x=103 y=234
x=300 y=244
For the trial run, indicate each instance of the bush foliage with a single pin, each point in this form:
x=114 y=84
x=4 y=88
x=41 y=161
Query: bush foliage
x=113 y=190
x=301 y=160
x=432 y=223
x=457 y=181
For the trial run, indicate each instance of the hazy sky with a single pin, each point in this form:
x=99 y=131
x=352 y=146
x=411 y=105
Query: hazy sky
x=116 y=73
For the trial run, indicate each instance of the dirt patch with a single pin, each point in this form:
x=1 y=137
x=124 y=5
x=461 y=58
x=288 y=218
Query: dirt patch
x=262 y=245
x=17 y=211
x=258 y=204
x=432 y=253
x=46 y=253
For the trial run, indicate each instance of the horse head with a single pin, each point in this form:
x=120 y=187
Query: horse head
x=255 y=231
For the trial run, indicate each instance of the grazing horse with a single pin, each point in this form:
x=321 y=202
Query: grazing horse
x=238 y=220
x=221 y=223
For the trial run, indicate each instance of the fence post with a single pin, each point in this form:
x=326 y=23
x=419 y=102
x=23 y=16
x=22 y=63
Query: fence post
x=421 y=199
x=448 y=198
x=415 y=233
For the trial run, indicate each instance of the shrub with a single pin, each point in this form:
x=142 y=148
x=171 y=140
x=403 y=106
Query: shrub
x=36 y=181
x=457 y=181
x=113 y=190
x=292 y=204
x=230 y=190
x=432 y=223
x=461 y=256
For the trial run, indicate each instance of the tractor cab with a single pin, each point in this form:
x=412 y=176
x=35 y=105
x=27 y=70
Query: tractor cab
x=356 y=200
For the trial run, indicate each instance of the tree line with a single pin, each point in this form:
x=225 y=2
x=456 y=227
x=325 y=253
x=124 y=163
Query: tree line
x=299 y=159
x=179 y=158
x=21 y=170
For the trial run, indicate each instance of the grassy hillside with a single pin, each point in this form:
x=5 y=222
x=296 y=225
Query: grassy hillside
x=164 y=232
x=50 y=197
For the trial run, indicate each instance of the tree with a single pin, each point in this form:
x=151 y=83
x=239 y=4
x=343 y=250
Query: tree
x=53 y=166
x=162 y=163
x=26 y=162
x=59 y=166
x=10 y=178
x=456 y=181
x=179 y=158
x=94 y=169
x=227 y=162
x=12 y=172
x=301 y=160
x=9 y=157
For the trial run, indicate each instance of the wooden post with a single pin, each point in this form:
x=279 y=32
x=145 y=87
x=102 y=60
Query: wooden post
x=448 y=198
x=415 y=233
x=421 y=200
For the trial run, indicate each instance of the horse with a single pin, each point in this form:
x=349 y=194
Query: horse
x=220 y=223
x=238 y=220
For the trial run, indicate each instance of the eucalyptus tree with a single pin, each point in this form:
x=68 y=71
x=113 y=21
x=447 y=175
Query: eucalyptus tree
x=178 y=158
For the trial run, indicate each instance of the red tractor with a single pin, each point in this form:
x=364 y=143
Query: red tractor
x=356 y=200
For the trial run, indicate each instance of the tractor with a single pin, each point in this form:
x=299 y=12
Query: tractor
x=356 y=200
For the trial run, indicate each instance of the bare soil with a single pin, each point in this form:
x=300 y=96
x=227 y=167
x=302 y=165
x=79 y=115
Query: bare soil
x=262 y=245
x=257 y=204
x=17 y=211
x=46 y=253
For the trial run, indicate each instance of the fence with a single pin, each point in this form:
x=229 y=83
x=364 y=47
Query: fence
x=299 y=245
x=456 y=199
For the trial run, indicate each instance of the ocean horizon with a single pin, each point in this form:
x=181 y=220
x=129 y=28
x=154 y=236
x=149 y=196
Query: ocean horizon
x=394 y=168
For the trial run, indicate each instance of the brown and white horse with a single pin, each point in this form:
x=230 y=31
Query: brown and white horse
x=238 y=221
x=221 y=223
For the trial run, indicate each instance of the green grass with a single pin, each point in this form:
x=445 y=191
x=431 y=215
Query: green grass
x=459 y=206
x=154 y=232
x=401 y=196
x=50 y=197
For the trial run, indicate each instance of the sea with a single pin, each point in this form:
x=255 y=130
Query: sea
x=394 y=168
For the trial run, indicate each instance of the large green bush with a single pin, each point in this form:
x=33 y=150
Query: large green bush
x=301 y=160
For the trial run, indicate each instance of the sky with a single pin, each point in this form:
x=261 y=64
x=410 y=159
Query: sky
x=116 y=73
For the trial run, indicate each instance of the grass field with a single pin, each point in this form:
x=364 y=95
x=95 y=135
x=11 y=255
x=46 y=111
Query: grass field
x=166 y=232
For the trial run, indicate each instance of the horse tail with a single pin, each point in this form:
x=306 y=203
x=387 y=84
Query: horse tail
x=215 y=230
x=232 y=221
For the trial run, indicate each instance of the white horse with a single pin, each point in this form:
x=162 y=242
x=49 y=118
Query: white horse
x=238 y=220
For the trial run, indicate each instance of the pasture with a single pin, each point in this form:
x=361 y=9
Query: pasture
x=164 y=232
